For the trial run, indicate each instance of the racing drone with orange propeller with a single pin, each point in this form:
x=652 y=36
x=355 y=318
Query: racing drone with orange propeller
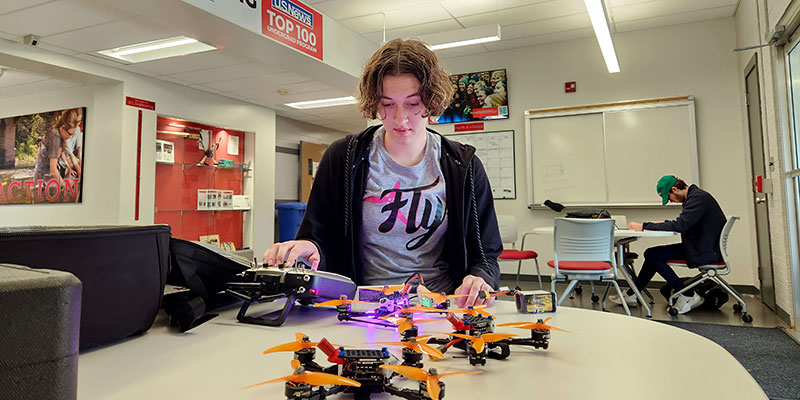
x=357 y=371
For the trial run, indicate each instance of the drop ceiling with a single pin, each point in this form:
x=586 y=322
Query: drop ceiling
x=79 y=28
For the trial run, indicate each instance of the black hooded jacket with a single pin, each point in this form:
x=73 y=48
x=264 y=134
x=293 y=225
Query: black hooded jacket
x=700 y=225
x=333 y=217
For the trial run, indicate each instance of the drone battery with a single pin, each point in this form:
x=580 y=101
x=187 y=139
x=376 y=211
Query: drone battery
x=39 y=336
x=535 y=301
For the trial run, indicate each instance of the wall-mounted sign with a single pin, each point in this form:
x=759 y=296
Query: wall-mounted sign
x=141 y=103
x=286 y=21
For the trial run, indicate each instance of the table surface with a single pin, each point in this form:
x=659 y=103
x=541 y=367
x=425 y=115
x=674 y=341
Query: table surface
x=606 y=356
x=617 y=232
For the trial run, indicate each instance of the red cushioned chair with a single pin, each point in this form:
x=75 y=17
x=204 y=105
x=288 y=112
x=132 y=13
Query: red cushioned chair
x=584 y=251
x=509 y=234
x=713 y=272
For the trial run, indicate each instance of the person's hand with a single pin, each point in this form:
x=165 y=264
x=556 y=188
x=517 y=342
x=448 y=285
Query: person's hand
x=471 y=286
x=287 y=253
x=634 y=226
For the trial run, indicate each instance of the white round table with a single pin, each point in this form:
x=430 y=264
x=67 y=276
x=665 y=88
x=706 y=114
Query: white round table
x=607 y=356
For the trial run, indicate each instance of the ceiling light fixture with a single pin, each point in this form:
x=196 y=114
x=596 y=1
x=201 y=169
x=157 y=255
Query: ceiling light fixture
x=338 y=101
x=462 y=37
x=597 y=13
x=157 y=49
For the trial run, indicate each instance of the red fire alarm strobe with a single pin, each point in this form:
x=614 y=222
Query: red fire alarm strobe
x=570 y=87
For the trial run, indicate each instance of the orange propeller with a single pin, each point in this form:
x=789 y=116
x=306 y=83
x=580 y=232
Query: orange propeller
x=342 y=300
x=534 y=325
x=474 y=310
x=418 y=344
x=300 y=375
x=301 y=342
x=478 y=342
x=404 y=324
x=387 y=289
x=431 y=378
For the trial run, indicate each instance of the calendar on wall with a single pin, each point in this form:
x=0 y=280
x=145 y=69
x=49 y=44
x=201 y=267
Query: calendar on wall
x=496 y=152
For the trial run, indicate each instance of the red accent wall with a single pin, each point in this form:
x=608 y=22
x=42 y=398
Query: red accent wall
x=177 y=184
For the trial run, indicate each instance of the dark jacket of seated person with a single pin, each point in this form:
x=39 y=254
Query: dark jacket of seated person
x=333 y=218
x=700 y=225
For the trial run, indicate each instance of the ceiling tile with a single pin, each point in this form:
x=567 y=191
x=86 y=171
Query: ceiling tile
x=46 y=85
x=13 y=78
x=400 y=17
x=675 y=19
x=59 y=16
x=340 y=10
x=533 y=12
x=191 y=62
x=270 y=81
x=227 y=72
x=7 y=6
x=110 y=35
x=663 y=8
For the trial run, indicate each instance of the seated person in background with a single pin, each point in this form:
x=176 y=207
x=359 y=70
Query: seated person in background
x=700 y=225
x=398 y=199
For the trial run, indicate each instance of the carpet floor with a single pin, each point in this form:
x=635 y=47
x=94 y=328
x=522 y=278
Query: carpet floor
x=769 y=354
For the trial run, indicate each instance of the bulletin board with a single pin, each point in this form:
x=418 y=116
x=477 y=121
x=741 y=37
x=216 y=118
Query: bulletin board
x=610 y=154
x=496 y=152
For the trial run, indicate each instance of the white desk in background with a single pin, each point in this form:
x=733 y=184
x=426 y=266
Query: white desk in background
x=622 y=240
x=218 y=358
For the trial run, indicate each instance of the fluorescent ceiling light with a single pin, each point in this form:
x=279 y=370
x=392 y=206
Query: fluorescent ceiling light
x=157 y=49
x=597 y=13
x=462 y=37
x=338 y=101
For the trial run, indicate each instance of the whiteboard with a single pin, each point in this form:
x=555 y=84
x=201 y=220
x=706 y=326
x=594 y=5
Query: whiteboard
x=610 y=155
x=496 y=152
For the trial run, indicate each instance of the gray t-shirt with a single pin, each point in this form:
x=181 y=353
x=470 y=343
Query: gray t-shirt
x=404 y=218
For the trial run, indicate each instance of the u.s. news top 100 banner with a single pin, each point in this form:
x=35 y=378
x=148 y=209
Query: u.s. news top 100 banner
x=286 y=21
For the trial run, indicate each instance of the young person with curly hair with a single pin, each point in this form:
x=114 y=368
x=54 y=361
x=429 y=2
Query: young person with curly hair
x=398 y=198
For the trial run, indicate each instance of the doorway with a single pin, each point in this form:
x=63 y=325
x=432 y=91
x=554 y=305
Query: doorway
x=759 y=170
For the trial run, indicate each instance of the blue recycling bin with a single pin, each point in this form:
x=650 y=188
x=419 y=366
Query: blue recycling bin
x=289 y=217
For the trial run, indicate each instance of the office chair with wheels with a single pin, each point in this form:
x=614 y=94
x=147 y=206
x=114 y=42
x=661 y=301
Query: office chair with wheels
x=509 y=234
x=713 y=272
x=584 y=251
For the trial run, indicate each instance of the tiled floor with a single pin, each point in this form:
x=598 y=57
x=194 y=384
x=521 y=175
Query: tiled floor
x=762 y=316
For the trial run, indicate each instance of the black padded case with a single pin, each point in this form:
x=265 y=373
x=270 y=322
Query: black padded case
x=203 y=268
x=40 y=312
x=123 y=270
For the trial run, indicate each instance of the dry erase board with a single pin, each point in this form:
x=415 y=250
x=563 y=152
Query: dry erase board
x=496 y=152
x=610 y=154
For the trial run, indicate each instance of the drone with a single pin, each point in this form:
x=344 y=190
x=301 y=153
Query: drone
x=357 y=371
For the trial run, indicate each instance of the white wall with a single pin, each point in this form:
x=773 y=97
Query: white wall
x=110 y=152
x=692 y=59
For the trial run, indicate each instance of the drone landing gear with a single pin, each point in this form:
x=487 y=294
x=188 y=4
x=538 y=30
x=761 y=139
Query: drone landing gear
x=419 y=394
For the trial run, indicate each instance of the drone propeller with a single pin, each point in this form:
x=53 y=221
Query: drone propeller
x=474 y=310
x=388 y=289
x=300 y=375
x=478 y=342
x=534 y=325
x=404 y=324
x=419 y=344
x=431 y=378
x=342 y=300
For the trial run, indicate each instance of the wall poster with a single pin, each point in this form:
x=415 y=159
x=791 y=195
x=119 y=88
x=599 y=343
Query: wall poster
x=41 y=157
x=477 y=96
